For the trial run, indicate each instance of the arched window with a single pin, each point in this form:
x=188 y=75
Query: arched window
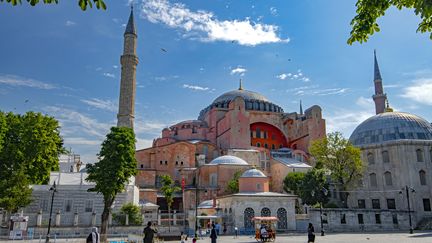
x=258 y=145
x=419 y=154
x=388 y=178
x=249 y=213
x=422 y=175
x=373 y=180
x=385 y=157
x=370 y=158
x=265 y=212
x=282 y=216
x=265 y=145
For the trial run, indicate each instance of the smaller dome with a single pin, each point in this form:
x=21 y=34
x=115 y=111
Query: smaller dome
x=228 y=160
x=253 y=173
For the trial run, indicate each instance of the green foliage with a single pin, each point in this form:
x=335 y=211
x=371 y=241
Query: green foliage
x=168 y=189
x=100 y=4
x=130 y=209
x=116 y=165
x=292 y=182
x=233 y=184
x=364 y=24
x=337 y=155
x=30 y=145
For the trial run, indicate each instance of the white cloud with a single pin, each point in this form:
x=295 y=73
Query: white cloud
x=314 y=90
x=143 y=143
x=101 y=104
x=238 y=70
x=70 y=23
x=115 y=66
x=205 y=26
x=81 y=141
x=109 y=75
x=14 y=80
x=283 y=76
x=195 y=87
x=330 y=91
x=293 y=76
x=420 y=91
x=346 y=121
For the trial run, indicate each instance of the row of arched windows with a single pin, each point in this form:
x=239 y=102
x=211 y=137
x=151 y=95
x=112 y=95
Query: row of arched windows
x=389 y=181
x=249 y=213
x=386 y=158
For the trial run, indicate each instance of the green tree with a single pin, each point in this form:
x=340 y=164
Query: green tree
x=292 y=182
x=134 y=214
x=116 y=165
x=364 y=24
x=168 y=189
x=233 y=184
x=100 y=4
x=314 y=187
x=30 y=146
x=337 y=155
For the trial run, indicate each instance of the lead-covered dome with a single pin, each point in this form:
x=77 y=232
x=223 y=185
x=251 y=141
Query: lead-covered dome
x=253 y=173
x=253 y=101
x=390 y=126
x=228 y=160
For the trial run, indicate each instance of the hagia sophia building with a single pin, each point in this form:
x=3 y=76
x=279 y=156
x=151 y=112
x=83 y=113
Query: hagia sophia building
x=238 y=131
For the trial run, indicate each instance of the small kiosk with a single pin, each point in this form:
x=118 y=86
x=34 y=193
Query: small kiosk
x=18 y=227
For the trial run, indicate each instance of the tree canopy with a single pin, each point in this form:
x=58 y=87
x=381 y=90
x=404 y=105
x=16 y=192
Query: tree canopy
x=134 y=214
x=100 y=4
x=364 y=24
x=116 y=165
x=233 y=184
x=337 y=155
x=293 y=182
x=168 y=189
x=30 y=146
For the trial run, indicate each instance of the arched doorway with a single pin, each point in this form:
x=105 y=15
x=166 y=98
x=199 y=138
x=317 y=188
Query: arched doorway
x=249 y=213
x=265 y=212
x=282 y=217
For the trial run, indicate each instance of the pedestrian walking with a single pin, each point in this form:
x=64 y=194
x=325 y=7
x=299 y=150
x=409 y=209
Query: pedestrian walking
x=149 y=232
x=224 y=228
x=94 y=236
x=213 y=235
x=311 y=233
x=236 y=232
x=183 y=237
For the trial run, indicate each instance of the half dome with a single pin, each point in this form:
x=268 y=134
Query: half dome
x=228 y=160
x=390 y=126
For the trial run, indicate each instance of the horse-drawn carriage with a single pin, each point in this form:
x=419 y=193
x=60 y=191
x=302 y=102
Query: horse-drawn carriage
x=265 y=228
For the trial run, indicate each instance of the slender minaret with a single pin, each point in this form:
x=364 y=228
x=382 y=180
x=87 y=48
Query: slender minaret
x=241 y=85
x=301 y=108
x=379 y=97
x=129 y=61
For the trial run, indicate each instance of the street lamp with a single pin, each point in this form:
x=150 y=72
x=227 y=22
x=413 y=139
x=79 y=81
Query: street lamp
x=407 y=190
x=325 y=192
x=54 y=190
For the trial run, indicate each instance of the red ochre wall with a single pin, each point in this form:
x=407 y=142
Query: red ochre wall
x=269 y=135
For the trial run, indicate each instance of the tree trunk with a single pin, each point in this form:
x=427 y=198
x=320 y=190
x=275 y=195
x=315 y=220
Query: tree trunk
x=104 y=217
x=169 y=218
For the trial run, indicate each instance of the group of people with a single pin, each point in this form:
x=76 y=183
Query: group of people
x=150 y=230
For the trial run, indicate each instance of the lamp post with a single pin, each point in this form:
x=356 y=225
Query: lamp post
x=407 y=190
x=325 y=192
x=54 y=190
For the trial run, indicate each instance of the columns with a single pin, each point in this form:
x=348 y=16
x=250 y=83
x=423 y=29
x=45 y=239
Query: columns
x=174 y=217
x=93 y=219
x=39 y=219
x=127 y=220
x=159 y=217
x=75 y=223
x=57 y=218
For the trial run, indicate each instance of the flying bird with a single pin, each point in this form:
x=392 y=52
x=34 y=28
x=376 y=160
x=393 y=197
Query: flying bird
x=289 y=59
x=26 y=101
x=162 y=49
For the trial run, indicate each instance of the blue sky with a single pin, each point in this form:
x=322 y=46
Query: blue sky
x=64 y=62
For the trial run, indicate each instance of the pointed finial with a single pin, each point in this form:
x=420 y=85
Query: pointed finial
x=388 y=108
x=241 y=85
x=301 y=108
x=377 y=73
x=130 y=27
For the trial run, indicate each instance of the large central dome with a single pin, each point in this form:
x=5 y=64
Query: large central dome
x=389 y=126
x=253 y=101
x=245 y=94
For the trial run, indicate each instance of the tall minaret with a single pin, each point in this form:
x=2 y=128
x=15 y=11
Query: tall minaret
x=379 y=97
x=129 y=61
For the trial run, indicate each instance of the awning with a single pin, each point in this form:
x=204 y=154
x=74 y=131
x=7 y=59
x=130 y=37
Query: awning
x=265 y=218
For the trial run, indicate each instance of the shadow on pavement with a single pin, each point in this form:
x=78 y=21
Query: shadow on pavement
x=421 y=235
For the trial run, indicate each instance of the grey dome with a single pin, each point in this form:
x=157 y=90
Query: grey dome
x=228 y=160
x=253 y=101
x=253 y=173
x=390 y=126
x=245 y=94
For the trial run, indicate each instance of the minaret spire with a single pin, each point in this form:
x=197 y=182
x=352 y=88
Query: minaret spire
x=301 y=108
x=129 y=61
x=379 y=97
x=241 y=85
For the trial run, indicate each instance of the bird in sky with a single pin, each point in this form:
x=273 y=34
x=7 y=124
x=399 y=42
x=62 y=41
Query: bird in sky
x=162 y=49
x=26 y=101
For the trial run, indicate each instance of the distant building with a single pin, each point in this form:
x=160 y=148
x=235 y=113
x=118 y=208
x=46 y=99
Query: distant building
x=70 y=163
